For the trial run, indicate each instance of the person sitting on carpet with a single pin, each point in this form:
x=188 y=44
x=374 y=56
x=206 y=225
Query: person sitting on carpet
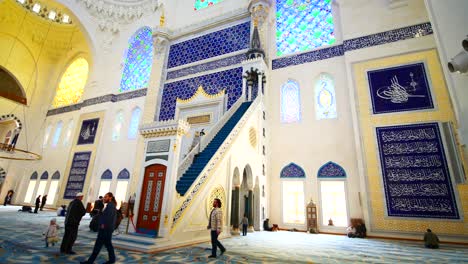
x=361 y=230
x=431 y=240
x=266 y=225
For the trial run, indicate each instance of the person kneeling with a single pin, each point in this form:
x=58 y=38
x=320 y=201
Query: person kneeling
x=431 y=240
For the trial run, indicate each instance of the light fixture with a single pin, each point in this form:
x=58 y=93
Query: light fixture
x=52 y=14
x=21 y=1
x=66 y=18
x=36 y=8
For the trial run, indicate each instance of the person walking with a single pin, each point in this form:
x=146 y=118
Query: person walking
x=245 y=223
x=215 y=225
x=43 y=202
x=38 y=203
x=50 y=234
x=106 y=227
x=75 y=212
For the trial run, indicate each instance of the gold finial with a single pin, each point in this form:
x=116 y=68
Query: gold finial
x=162 y=19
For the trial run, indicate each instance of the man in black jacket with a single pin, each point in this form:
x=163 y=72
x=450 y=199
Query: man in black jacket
x=38 y=204
x=106 y=227
x=75 y=212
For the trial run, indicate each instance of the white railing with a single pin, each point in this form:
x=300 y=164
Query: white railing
x=205 y=140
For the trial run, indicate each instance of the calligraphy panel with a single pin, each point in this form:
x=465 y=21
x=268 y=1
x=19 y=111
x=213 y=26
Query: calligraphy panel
x=158 y=146
x=88 y=131
x=415 y=173
x=401 y=88
x=77 y=175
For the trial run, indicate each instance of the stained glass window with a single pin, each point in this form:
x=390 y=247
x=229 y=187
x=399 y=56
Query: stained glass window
x=200 y=4
x=134 y=122
x=71 y=86
x=325 y=98
x=58 y=132
x=68 y=133
x=290 y=102
x=303 y=25
x=138 y=61
x=119 y=118
x=47 y=135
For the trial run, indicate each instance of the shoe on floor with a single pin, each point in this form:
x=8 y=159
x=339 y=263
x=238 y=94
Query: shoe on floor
x=211 y=256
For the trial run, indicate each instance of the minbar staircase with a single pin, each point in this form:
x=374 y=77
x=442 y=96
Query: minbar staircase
x=201 y=159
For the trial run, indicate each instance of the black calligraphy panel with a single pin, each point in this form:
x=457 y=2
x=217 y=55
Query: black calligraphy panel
x=77 y=175
x=415 y=172
x=88 y=131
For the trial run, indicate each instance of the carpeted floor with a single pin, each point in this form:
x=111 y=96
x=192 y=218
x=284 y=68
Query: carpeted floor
x=21 y=242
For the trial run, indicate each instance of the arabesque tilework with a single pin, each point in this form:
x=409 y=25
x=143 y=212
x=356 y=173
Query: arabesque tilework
x=368 y=122
x=231 y=80
x=211 y=45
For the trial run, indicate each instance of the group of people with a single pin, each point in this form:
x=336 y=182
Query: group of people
x=357 y=229
x=40 y=203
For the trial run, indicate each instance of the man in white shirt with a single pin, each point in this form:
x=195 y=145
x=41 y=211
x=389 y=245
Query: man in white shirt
x=215 y=225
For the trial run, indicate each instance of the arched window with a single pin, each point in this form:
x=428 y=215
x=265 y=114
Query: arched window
x=54 y=183
x=68 y=133
x=122 y=183
x=138 y=61
x=293 y=177
x=303 y=25
x=58 y=132
x=72 y=83
x=325 y=98
x=134 y=122
x=119 y=118
x=31 y=186
x=106 y=180
x=332 y=182
x=200 y=4
x=47 y=135
x=41 y=190
x=290 y=102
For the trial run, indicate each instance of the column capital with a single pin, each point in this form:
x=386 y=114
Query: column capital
x=161 y=37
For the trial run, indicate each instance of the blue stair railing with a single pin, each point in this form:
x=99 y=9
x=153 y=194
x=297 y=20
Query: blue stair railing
x=201 y=159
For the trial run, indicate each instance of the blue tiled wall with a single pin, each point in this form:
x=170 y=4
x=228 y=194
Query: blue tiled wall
x=231 y=80
x=210 y=45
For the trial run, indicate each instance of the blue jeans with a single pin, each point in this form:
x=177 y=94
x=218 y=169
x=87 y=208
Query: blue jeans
x=244 y=230
x=215 y=243
x=104 y=238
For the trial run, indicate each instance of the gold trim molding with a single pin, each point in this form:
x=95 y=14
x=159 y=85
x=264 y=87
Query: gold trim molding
x=201 y=92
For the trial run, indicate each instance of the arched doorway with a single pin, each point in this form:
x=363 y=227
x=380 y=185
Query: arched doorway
x=152 y=192
x=235 y=202
x=246 y=199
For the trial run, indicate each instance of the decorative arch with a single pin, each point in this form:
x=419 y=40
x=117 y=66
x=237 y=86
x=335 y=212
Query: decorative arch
x=123 y=175
x=138 y=61
x=331 y=170
x=303 y=25
x=45 y=175
x=71 y=86
x=11 y=88
x=236 y=181
x=292 y=170
x=217 y=192
x=9 y=117
x=290 y=102
x=325 y=97
x=106 y=175
x=34 y=176
x=56 y=175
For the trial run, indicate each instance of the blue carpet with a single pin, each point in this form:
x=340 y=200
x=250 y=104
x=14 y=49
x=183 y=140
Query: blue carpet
x=201 y=159
x=21 y=242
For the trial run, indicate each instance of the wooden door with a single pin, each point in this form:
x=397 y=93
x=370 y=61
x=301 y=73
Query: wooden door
x=149 y=213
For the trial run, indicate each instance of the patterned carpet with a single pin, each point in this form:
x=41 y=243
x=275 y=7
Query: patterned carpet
x=21 y=242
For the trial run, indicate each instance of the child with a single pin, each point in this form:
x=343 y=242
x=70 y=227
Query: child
x=51 y=233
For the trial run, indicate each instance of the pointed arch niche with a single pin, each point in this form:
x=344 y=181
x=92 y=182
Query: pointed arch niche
x=333 y=195
x=293 y=197
x=122 y=185
x=105 y=183
x=325 y=97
